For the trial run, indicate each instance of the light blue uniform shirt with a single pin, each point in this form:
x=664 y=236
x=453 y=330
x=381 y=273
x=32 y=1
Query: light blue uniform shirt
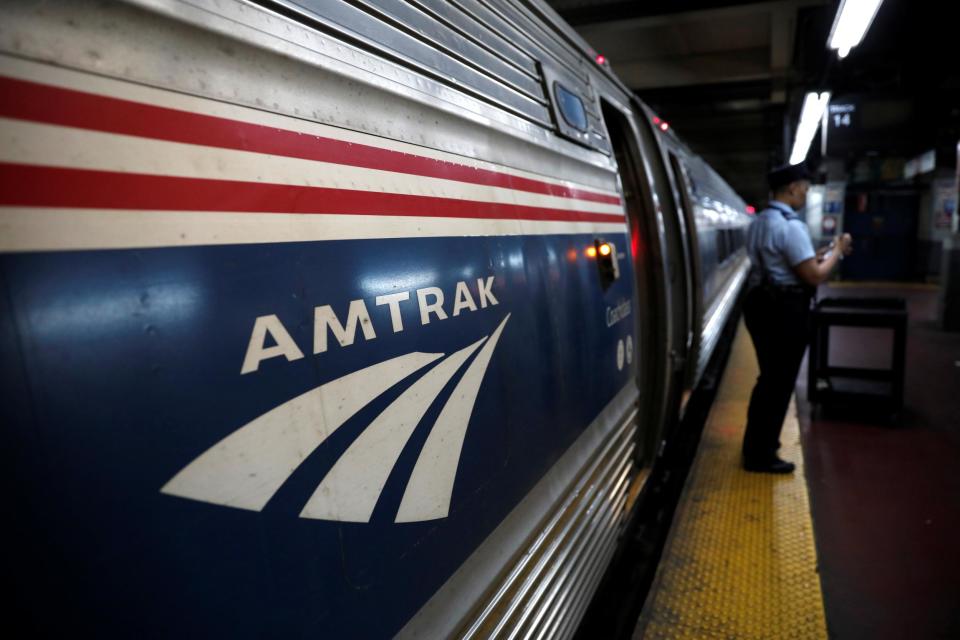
x=778 y=240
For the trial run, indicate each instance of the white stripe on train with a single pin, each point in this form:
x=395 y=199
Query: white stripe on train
x=50 y=145
x=63 y=229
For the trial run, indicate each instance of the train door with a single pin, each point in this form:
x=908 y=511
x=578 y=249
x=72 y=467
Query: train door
x=642 y=197
x=677 y=241
x=677 y=272
x=694 y=296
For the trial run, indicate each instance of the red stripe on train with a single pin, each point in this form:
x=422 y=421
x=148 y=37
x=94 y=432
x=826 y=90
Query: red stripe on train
x=36 y=186
x=54 y=105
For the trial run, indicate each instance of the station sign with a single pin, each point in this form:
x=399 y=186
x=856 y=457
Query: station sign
x=843 y=124
x=842 y=115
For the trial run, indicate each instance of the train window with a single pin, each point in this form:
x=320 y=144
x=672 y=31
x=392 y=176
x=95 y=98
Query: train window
x=571 y=107
x=739 y=238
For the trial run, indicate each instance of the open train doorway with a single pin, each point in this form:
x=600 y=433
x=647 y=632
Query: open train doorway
x=652 y=325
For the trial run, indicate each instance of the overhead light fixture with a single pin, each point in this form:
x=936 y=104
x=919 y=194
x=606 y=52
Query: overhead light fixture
x=851 y=24
x=814 y=106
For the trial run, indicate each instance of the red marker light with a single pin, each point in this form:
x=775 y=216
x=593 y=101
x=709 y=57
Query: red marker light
x=751 y=209
x=656 y=120
x=601 y=59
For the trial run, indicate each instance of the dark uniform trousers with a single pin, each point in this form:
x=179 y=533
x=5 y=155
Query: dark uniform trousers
x=778 y=319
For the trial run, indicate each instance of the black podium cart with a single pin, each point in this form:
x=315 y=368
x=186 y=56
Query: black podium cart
x=880 y=389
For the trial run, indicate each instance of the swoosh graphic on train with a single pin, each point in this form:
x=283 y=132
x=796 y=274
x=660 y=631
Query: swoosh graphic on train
x=246 y=468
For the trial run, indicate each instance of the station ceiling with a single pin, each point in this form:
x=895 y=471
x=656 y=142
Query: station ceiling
x=730 y=76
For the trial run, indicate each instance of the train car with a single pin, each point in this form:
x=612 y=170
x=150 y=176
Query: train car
x=349 y=319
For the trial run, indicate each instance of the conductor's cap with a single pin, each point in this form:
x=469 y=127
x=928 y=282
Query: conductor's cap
x=782 y=176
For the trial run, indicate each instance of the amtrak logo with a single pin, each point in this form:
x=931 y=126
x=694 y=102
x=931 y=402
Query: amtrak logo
x=245 y=469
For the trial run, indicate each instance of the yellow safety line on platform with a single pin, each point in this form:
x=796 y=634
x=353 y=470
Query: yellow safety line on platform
x=740 y=562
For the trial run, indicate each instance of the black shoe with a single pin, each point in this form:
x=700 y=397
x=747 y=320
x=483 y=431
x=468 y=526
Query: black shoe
x=773 y=465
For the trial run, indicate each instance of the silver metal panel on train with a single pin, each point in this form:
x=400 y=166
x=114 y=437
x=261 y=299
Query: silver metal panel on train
x=319 y=317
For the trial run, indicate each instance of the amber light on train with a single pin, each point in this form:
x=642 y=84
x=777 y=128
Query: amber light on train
x=605 y=255
x=603 y=249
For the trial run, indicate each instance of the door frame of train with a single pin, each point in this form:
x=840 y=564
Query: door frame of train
x=677 y=240
x=693 y=268
x=647 y=235
x=677 y=236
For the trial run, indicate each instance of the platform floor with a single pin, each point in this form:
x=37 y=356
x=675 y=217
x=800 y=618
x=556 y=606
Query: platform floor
x=740 y=561
x=881 y=558
x=886 y=496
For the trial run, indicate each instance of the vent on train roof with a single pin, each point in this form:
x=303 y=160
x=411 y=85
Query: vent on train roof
x=439 y=39
x=496 y=52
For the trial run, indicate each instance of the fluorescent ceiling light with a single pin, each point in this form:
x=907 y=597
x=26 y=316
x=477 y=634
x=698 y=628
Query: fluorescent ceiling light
x=852 y=21
x=813 y=108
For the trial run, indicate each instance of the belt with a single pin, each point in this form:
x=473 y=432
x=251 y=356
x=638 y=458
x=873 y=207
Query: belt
x=793 y=288
x=788 y=289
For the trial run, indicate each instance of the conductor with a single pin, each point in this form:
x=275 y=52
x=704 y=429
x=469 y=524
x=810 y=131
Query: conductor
x=786 y=272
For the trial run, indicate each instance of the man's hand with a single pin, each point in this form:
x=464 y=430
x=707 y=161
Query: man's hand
x=817 y=269
x=845 y=242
